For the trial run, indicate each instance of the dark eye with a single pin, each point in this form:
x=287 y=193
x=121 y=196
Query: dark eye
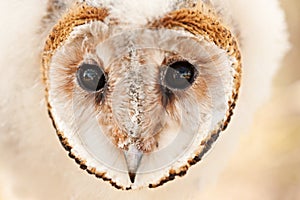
x=91 y=77
x=180 y=75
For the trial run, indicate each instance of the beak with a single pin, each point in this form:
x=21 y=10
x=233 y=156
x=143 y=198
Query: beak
x=133 y=159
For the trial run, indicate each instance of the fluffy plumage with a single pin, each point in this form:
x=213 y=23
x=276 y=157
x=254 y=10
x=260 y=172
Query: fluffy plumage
x=157 y=131
x=27 y=136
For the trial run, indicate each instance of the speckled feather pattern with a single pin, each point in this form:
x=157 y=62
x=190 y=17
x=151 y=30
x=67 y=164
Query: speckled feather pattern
x=148 y=128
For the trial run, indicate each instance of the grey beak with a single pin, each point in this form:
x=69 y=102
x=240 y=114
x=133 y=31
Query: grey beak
x=133 y=159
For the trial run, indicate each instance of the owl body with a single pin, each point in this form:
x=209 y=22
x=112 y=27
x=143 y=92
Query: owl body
x=141 y=125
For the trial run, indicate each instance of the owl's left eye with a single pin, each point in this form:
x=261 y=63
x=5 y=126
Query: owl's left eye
x=180 y=75
x=91 y=77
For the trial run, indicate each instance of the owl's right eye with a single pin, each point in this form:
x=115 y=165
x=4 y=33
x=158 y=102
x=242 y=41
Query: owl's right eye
x=91 y=77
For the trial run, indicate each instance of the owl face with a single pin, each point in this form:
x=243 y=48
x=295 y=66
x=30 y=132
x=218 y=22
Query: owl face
x=138 y=104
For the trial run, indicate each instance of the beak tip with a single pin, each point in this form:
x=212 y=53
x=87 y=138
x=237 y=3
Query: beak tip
x=132 y=176
x=133 y=159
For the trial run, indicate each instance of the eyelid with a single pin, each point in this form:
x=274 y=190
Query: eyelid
x=88 y=61
x=170 y=59
x=91 y=59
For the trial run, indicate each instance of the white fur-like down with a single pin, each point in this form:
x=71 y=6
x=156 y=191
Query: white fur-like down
x=33 y=164
x=127 y=10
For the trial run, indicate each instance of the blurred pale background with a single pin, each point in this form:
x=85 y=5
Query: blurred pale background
x=267 y=162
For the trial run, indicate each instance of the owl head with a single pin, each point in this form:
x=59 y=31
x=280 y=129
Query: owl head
x=139 y=93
